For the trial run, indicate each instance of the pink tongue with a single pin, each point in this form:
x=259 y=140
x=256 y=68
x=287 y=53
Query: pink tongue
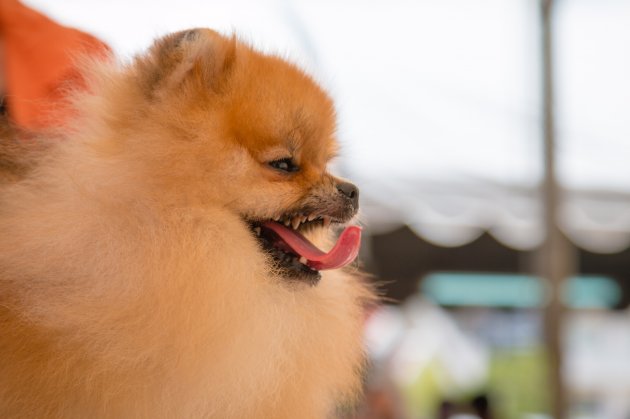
x=345 y=251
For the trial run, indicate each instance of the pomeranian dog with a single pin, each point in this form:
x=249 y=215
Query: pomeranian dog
x=161 y=259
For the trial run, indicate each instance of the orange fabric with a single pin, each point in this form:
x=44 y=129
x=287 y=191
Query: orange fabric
x=39 y=64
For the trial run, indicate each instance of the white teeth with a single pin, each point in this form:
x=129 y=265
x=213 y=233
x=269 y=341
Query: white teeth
x=296 y=220
x=303 y=260
x=257 y=231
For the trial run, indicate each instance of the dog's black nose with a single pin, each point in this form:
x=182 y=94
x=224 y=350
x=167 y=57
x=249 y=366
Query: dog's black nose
x=351 y=192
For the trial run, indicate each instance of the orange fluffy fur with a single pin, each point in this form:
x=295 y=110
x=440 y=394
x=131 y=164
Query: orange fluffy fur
x=131 y=287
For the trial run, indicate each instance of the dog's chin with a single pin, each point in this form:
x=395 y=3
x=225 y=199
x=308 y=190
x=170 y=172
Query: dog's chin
x=286 y=262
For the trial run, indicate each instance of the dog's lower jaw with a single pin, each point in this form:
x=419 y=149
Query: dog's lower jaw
x=295 y=250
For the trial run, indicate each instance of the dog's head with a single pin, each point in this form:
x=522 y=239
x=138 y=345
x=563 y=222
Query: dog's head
x=251 y=133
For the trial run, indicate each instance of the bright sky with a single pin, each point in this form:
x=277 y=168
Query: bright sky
x=427 y=89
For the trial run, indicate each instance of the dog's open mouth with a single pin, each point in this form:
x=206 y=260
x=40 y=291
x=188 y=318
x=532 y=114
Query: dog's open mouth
x=295 y=256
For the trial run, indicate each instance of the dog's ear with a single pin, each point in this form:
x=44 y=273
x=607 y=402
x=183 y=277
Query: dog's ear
x=199 y=56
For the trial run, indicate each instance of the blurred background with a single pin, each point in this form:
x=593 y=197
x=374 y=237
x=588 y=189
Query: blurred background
x=491 y=141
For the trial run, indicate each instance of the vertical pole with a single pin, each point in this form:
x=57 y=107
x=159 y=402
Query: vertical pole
x=555 y=257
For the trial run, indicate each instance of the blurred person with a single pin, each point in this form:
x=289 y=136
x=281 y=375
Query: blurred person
x=38 y=65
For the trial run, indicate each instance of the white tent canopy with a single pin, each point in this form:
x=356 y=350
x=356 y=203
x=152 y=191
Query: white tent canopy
x=457 y=213
x=439 y=102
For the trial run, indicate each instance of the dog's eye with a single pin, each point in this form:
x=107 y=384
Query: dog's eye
x=284 y=165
